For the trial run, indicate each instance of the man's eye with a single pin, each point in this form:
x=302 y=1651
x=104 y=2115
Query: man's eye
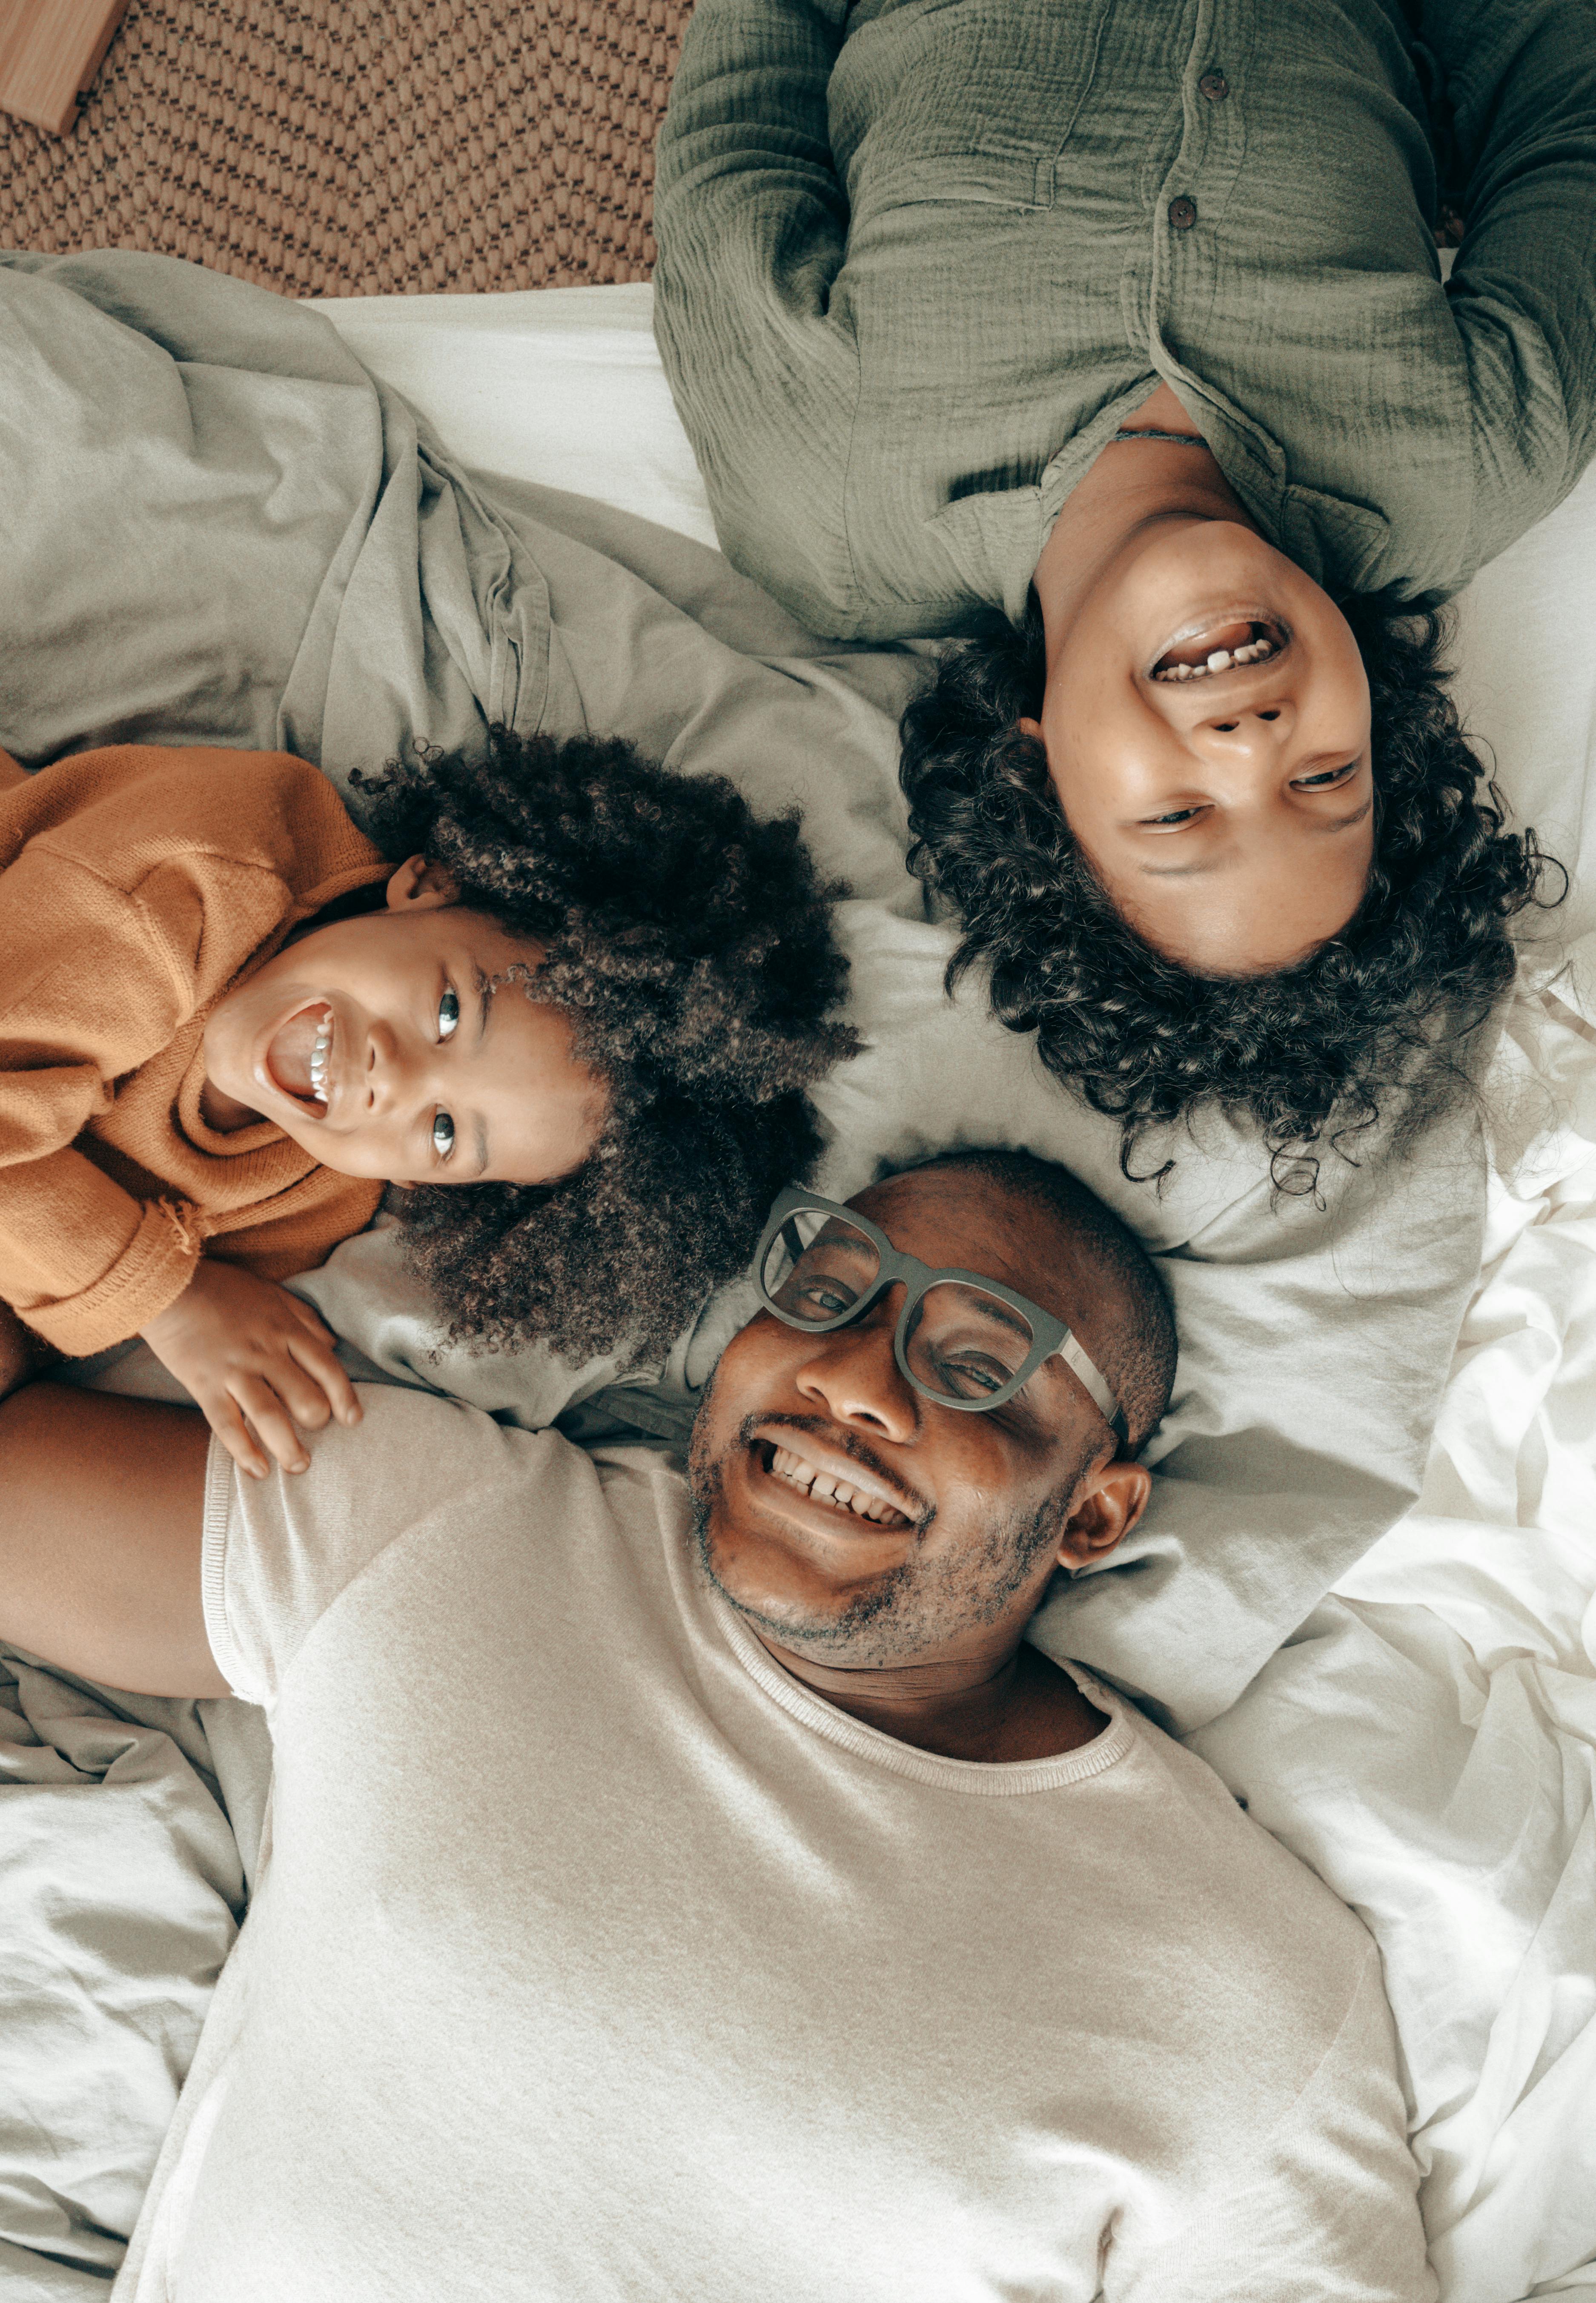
x=973 y=1375
x=443 y=1134
x=823 y=1300
x=448 y=1016
x=1326 y=778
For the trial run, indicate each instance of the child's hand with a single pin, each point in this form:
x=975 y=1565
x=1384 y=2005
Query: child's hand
x=245 y=1347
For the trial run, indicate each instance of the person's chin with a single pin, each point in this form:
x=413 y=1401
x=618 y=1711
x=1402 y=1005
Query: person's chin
x=794 y=1564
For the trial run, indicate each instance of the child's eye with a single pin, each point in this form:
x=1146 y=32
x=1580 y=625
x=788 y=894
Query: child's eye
x=448 y=1014
x=1176 y=815
x=1326 y=778
x=443 y=1133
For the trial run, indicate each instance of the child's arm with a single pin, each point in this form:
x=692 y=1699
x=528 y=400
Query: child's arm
x=89 y=990
x=93 y=983
x=250 y=1354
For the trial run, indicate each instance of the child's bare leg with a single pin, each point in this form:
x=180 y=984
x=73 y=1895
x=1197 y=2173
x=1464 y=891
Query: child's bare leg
x=17 y=1362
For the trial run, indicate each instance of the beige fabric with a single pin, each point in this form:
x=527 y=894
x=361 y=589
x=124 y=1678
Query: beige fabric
x=596 y=1959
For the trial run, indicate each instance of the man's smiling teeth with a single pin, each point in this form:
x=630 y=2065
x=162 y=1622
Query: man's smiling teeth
x=1256 y=651
x=318 y=1058
x=830 y=1490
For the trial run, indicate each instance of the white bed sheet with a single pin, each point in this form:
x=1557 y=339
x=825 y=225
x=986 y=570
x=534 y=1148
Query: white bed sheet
x=1428 y=1740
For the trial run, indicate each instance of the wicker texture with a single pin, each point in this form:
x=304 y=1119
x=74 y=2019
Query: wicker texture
x=336 y=148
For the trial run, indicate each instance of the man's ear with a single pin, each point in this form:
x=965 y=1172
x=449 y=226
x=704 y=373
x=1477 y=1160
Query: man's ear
x=418 y=886
x=1105 y=1514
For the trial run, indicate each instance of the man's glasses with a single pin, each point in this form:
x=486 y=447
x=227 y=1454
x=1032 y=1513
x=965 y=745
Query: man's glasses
x=962 y=1340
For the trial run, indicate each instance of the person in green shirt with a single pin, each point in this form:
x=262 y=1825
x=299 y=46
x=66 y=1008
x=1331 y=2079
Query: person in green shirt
x=1111 y=342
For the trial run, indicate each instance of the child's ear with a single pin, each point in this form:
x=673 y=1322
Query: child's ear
x=418 y=886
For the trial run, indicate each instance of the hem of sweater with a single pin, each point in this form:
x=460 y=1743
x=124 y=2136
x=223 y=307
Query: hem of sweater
x=146 y=1277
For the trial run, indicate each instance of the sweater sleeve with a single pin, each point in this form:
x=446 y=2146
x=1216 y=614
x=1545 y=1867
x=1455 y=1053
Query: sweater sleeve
x=752 y=226
x=1520 y=76
x=90 y=988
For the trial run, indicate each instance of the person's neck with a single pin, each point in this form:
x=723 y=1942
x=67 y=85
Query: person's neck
x=1132 y=483
x=999 y=1703
x=224 y=1112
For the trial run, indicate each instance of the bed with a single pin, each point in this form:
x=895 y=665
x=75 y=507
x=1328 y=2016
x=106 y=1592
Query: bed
x=1414 y=1714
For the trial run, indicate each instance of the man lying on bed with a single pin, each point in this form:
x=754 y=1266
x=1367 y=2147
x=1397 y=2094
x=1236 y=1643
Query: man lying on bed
x=698 y=1888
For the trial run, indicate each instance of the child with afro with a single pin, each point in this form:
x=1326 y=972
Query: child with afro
x=568 y=1003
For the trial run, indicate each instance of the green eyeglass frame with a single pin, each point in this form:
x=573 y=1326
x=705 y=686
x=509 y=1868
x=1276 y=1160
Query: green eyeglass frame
x=1051 y=1337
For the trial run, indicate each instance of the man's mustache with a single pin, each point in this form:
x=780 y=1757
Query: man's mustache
x=915 y=1505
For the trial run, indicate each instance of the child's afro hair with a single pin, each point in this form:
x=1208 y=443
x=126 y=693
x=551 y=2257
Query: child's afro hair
x=690 y=947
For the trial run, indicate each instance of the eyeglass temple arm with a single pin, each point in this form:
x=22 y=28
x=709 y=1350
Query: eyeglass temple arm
x=1074 y=1358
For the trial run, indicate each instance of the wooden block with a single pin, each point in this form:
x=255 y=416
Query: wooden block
x=50 y=50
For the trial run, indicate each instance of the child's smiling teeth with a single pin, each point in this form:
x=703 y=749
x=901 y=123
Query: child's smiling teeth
x=1260 y=645
x=318 y=1058
x=826 y=1487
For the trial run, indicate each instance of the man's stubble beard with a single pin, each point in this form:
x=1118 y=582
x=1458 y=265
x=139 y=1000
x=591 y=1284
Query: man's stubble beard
x=913 y=1607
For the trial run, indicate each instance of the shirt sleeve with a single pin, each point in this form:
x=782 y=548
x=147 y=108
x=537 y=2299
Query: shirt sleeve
x=752 y=227
x=89 y=990
x=1520 y=76
x=1323 y=2209
x=279 y=1553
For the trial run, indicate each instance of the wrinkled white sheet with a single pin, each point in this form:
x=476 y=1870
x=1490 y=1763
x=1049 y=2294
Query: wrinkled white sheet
x=1427 y=1740
x=132 y=1825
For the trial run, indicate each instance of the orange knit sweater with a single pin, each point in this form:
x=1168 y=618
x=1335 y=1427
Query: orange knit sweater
x=138 y=885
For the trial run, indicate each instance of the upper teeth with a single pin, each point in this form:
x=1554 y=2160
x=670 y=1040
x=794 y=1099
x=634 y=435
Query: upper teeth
x=1221 y=660
x=826 y=1485
x=318 y=1059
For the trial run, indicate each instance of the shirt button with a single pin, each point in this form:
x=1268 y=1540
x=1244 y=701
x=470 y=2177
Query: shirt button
x=1183 y=213
x=1215 y=86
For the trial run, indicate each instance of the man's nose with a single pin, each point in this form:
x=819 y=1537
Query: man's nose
x=853 y=1374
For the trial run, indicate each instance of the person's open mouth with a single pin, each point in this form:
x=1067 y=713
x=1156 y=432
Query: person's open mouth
x=297 y=1060
x=858 y=1497
x=1227 y=644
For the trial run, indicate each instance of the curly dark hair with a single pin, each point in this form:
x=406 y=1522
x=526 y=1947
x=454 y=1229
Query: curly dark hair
x=690 y=946
x=1381 y=1014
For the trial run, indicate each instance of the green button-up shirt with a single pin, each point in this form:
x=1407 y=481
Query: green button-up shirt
x=919 y=258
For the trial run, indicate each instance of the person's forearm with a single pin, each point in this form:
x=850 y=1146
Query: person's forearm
x=749 y=214
x=83 y=1262
x=752 y=226
x=1495 y=54
x=101 y=1538
x=1520 y=76
x=749 y=98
